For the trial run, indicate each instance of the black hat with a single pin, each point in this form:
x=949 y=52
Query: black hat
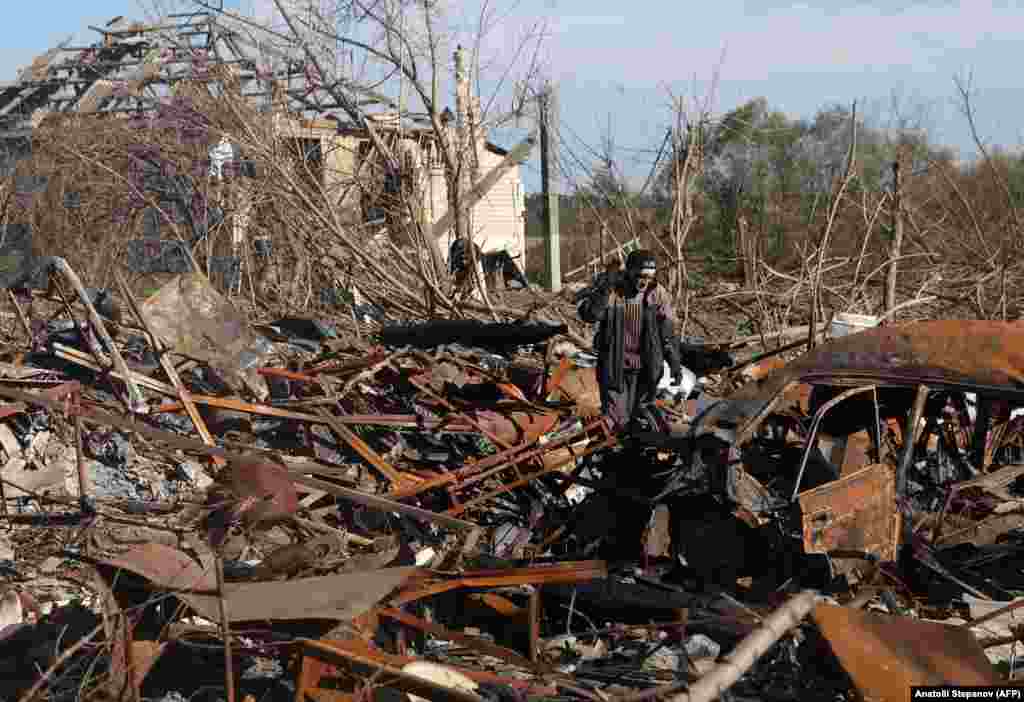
x=641 y=259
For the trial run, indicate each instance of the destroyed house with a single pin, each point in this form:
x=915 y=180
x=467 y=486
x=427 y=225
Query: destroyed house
x=135 y=65
x=336 y=153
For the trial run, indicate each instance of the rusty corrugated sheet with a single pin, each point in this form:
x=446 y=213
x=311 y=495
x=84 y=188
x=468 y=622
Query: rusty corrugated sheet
x=884 y=655
x=855 y=513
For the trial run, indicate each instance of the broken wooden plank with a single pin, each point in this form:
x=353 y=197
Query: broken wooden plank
x=73 y=355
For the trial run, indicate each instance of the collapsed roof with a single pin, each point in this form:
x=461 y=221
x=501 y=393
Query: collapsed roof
x=135 y=65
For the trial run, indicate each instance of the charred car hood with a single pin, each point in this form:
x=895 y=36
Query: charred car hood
x=976 y=355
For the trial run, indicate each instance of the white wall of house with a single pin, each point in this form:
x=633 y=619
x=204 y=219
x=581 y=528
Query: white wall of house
x=498 y=219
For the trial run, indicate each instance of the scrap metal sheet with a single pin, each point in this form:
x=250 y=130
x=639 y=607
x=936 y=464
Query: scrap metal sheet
x=970 y=353
x=341 y=597
x=338 y=597
x=884 y=655
x=855 y=513
x=165 y=566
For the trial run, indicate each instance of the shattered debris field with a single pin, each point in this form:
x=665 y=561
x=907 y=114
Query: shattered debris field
x=274 y=451
x=195 y=507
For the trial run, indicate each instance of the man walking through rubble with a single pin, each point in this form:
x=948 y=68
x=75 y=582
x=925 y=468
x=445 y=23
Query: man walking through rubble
x=635 y=336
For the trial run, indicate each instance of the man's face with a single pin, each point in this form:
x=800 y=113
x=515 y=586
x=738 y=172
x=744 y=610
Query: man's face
x=642 y=279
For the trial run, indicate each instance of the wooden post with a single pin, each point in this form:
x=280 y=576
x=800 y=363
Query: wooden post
x=552 y=258
x=897 y=241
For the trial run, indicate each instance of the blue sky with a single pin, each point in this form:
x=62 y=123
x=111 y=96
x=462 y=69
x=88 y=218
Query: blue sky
x=616 y=62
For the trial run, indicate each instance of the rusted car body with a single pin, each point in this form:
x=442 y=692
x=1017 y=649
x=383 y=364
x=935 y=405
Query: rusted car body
x=831 y=416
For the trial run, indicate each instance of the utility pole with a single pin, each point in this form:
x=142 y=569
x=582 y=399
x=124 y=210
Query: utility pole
x=552 y=241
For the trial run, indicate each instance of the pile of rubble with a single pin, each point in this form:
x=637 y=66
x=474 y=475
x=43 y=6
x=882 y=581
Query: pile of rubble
x=197 y=508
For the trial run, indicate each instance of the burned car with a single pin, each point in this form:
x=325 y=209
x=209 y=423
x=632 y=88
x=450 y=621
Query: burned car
x=810 y=468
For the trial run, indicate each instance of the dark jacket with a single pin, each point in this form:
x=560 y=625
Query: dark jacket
x=605 y=306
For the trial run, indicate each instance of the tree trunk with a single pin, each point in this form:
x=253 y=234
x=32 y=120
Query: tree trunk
x=897 y=242
x=746 y=251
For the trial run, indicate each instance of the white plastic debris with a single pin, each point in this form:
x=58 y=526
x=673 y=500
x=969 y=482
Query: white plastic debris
x=577 y=493
x=11 y=611
x=425 y=556
x=440 y=675
x=683 y=389
x=564 y=348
